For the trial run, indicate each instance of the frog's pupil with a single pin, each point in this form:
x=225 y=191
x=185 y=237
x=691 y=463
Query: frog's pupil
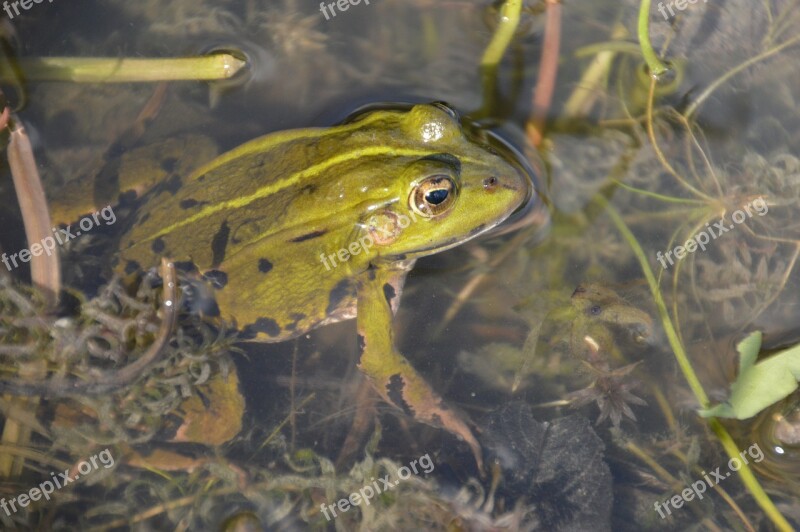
x=435 y=197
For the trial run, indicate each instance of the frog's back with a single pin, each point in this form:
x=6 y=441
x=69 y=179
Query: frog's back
x=256 y=220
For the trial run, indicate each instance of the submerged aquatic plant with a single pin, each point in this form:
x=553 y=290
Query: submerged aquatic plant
x=611 y=390
x=112 y=372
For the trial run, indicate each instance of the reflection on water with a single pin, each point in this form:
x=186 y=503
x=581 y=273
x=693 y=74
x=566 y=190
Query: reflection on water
x=550 y=340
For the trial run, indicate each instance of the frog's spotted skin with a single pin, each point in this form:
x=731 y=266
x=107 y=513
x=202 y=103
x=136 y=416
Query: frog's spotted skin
x=255 y=221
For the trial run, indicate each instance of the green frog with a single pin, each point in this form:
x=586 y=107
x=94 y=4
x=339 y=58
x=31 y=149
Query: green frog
x=302 y=228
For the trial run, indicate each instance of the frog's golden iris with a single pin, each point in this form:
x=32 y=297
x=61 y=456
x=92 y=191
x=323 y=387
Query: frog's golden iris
x=255 y=220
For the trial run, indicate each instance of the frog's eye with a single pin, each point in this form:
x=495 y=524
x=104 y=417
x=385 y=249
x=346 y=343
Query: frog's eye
x=433 y=196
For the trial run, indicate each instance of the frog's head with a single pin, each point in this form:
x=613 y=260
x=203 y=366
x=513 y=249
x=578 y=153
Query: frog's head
x=450 y=188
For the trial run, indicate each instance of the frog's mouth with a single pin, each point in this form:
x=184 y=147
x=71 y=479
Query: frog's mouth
x=534 y=212
x=439 y=247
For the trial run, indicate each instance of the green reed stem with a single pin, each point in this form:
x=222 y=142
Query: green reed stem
x=669 y=329
x=732 y=450
x=657 y=68
x=506 y=26
x=660 y=197
x=124 y=70
x=749 y=479
x=621 y=47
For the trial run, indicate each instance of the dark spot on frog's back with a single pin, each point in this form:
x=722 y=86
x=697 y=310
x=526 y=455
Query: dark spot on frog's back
x=219 y=243
x=362 y=345
x=394 y=390
x=389 y=293
x=127 y=197
x=217 y=278
x=169 y=164
x=204 y=398
x=264 y=266
x=296 y=317
x=173 y=184
x=131 y=266
x=342 y=291
x=185 y=266
x=309 y=236
x=158 y=246
x=267 y=326
x=189 y=203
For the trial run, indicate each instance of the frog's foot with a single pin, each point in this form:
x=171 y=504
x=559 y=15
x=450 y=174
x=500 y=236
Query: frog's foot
x=407 y=390
x=388 y=371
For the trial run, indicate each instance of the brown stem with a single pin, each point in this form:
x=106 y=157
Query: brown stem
x=548 y=70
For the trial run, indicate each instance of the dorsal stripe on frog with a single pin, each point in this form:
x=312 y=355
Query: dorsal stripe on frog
x=294 y=179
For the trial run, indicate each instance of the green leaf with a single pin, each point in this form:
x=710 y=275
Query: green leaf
x=759 y=385
x=748 y=351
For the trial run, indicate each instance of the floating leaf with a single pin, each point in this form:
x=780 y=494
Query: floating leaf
x=759 y=385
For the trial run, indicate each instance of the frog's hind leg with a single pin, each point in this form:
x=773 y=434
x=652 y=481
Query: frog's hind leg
x=388 y=371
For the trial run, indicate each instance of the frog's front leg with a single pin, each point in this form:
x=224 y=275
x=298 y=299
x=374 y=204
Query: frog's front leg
x=388 y=371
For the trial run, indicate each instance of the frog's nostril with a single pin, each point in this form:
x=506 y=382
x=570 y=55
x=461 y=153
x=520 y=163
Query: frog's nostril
x=490 y=183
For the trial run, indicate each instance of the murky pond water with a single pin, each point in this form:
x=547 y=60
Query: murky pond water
x=620 y=354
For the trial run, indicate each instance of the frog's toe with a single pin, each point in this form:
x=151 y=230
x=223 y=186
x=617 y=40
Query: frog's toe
x=453 y=423
x=413 y=395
